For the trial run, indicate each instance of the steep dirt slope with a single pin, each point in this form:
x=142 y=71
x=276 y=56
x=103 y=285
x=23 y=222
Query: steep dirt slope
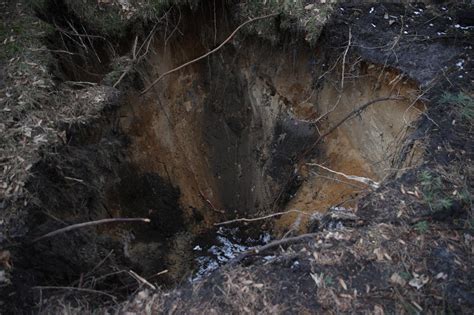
x=360 y=131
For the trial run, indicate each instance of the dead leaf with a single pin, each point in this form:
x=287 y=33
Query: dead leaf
x=316 y=256
x=417 y=192
x=342 y=283
x=318 y=279
x=441 y=275
x=419 y=281
x=5 y=259
x=397 y=279
x=378 y=310
x=379 y=252
x=402 y=189
x=417 y=306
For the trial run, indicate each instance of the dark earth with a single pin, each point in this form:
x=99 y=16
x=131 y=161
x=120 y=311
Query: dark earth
x=74 y=155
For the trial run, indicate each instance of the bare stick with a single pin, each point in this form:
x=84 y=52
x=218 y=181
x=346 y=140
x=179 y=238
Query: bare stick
x=75 y=289
x=90 y=223
x=342 y=80
x=159 y=273
x=206 y=54
x=141 y=279
x=54 y=51
x=331 y=130
x=259 y=218
x=347 y=117
x=336 y=180
x=344 y=59
x=263 y=248
x=360 y=179
x=289 y=240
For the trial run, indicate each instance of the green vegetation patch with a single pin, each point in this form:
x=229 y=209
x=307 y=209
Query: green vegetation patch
x=463 y=104
x=20 y=36
x=436 y=192
x=111 y=18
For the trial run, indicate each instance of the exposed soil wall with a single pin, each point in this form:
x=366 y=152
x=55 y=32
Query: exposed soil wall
x=255 y=128
x=221 y=139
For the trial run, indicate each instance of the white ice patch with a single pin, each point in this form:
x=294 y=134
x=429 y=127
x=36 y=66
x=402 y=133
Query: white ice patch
x=227 y=247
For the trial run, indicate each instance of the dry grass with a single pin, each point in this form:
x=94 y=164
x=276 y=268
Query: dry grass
x=35 y=112
x=398 y=260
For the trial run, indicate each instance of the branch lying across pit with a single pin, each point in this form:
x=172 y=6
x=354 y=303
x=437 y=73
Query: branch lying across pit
x=353 y=113
x=359 y=179
x=85 y=290
x=206 y=54
x=91 y=223
x=260 y=218
x=261 y=249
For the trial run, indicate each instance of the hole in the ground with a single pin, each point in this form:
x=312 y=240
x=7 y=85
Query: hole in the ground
x=223 y=138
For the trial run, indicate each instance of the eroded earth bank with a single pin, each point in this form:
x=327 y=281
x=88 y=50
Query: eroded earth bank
x=318 y=161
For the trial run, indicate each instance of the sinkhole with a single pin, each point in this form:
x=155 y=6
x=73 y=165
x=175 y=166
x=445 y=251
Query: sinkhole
x=237 y=134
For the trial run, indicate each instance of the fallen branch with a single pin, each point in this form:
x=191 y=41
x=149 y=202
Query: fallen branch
x=206 y=54
x=347 y=117
x=337 y=180
x=259 y=218
x=141 y=279
x=263 y=248
x=331 y=130
x=360 y=179
x=344 y=60
x=75 y=289
x=201 y=194
x=91 y=223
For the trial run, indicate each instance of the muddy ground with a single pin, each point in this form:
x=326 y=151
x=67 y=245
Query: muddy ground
x=266 y=124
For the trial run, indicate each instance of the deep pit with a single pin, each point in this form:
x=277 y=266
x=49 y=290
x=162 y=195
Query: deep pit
x=224 y=138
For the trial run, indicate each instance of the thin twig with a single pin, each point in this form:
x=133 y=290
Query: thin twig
x=141 y=279
x=344 y=59
x=336 y=180
x=54 y=51
x=360 y=179
x=331 y=130
x=259 y=218
x=347 y=117
x=263 y=248
x=206 y=54
x=90 y=223
x=159 y=273
x=176 y=27
x=93 y=269
x=343 y=71
x=135 y=53
x=75 y=289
